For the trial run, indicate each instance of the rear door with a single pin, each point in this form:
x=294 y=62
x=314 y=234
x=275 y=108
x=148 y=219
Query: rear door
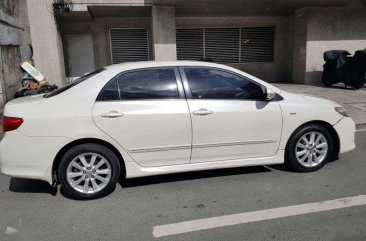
x=146 y=112
x=230 y=117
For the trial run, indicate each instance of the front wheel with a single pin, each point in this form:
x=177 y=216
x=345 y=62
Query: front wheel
x=89 y=171
x=309 y=148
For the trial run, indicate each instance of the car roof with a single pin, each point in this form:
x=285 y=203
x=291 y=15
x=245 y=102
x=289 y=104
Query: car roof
x=147 y=64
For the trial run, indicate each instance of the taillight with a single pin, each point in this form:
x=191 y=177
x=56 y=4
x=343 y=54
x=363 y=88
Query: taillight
x=11 y=123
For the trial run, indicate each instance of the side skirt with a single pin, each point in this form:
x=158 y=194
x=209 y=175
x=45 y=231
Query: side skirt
x=135 y=170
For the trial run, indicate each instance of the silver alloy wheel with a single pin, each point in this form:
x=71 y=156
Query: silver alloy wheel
x=311 y=149
x=89 y=173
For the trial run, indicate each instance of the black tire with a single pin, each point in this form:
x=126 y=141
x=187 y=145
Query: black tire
x=291 y=159
x=101 y=151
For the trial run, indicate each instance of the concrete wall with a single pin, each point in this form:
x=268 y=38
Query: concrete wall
x=340 y=28
x=99 y=30
x=299 y=33
x=46 y=40
x=14 y=33
x=301 y=39
x=116 y=2
x=319 y=29
x=161 y=34
x=12 y=75
x=276 y=71
x=24 y=21
x=163 y=27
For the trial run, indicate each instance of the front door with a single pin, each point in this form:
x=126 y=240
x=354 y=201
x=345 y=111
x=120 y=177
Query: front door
x=80 y=55
x=146 y=113
x=230 y=118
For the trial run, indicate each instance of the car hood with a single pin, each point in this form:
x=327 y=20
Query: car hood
x=307 y=98
x=317 y=99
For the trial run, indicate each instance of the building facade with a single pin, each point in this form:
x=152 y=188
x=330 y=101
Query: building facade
x=276 y=40
x=14 y=46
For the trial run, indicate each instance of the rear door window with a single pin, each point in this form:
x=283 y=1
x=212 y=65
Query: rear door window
x=146 y=84
x=109 y=92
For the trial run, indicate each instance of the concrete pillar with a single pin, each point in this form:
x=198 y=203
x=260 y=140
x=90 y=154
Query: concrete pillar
x=299 y=46
x=163 y=33
x=46 y=41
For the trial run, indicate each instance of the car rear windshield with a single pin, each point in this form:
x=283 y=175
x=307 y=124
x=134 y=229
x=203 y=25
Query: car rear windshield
x=73 y=83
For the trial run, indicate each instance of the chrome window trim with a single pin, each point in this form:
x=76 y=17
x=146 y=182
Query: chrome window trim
x=235 y=143
x=159 y=148
x=203 y=145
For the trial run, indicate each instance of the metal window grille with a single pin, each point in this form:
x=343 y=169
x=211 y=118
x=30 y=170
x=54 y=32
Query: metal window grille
x=257 y=44
x=222 y=44
x=226 y=45
x=190 y=44
x=129 y=45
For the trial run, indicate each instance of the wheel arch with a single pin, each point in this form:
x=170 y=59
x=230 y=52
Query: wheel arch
x=74 y=143
x=327 y=126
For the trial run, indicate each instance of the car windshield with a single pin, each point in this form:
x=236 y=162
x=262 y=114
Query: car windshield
x=73 y=83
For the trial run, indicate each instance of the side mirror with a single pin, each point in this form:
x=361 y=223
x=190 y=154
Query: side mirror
x=270 y=94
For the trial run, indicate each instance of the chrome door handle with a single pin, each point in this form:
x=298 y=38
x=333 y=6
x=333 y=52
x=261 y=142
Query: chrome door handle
x=202 y=111
x=112 y=114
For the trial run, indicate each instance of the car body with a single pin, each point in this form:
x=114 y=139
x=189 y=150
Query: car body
x=187 y=130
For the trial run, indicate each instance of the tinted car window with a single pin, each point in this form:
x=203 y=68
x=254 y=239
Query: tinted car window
x=72 y=84
x=206 y=83
x=148 y=84
x=109 y=92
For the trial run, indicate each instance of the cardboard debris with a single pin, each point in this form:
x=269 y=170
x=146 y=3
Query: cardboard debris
x=26 y=66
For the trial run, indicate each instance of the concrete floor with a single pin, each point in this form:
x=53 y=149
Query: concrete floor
x=32 y=210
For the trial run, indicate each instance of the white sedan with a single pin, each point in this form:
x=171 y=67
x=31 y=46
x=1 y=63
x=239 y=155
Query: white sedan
x=151 y=118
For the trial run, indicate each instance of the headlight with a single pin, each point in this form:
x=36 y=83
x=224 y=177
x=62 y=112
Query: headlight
x=343 y=111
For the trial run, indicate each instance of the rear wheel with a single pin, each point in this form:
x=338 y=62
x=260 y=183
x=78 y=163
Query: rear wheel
x=309 y=148
x=89 y=171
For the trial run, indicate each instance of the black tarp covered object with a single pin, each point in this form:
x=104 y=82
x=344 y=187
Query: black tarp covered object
x=339 y=67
